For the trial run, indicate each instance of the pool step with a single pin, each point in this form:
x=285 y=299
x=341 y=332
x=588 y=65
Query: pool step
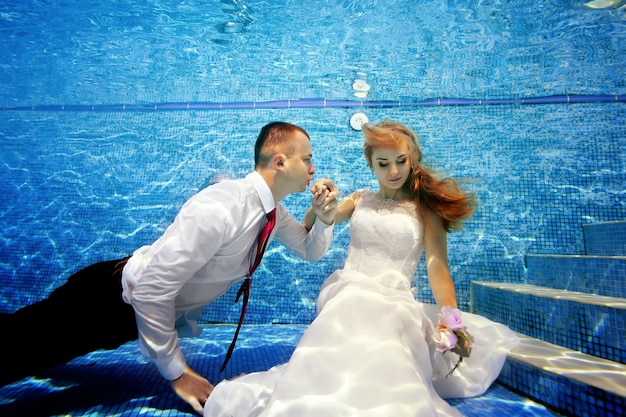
x=592 y=274
x=588 y=323
x=567 y=380
x=570 y=315
x=572 y=351
x=606 y=238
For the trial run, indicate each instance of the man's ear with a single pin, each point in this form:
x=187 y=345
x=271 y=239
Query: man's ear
x=278 y=160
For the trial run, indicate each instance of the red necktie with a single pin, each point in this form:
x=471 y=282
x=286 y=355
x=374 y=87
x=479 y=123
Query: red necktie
x=245 y=286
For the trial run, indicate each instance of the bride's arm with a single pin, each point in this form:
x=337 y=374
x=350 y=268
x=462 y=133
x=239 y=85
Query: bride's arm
x=343 y=213
x=436 y=248
x=441 y=284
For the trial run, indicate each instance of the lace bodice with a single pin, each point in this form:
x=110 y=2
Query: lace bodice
x=386 y=241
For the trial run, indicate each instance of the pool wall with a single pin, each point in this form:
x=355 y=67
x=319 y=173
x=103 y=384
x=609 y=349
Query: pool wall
x=81 y=187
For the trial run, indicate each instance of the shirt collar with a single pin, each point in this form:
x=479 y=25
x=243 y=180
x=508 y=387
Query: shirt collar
x=263 y=190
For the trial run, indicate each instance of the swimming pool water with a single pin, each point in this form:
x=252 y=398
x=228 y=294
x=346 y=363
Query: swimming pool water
x=84 y=186
x=85 y=52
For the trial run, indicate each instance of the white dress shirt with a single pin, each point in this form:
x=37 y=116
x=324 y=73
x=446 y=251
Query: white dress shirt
x=208 y=247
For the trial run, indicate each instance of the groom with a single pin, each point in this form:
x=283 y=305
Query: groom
x=157 y=294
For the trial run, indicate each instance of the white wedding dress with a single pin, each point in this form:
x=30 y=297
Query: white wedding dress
x=369 y=351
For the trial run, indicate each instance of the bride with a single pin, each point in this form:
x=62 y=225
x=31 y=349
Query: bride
x=373 y=350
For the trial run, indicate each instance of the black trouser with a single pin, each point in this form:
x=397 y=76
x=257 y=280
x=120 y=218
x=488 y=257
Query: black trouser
x=85 y=314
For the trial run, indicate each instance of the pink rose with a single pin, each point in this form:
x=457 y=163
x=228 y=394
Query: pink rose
x=445 y=339
x=451 y=318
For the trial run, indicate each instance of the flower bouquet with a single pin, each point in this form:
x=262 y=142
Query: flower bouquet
x=452 y=335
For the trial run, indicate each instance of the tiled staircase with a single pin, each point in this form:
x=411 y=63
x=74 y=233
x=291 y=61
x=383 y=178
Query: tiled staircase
x=571 y=318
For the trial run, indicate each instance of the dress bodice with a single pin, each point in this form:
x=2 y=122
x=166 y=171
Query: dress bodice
x=386 y=240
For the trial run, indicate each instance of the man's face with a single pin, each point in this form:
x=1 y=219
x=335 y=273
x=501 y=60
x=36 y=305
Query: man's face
x=299 y=168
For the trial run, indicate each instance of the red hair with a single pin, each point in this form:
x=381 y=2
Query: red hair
x=442 y=196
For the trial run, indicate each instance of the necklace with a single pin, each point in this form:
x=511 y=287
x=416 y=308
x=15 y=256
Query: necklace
x=389 y=205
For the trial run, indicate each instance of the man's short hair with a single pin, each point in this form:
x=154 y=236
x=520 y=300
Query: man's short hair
x=275 y=137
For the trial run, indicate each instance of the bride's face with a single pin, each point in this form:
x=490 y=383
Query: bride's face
x=392 y=166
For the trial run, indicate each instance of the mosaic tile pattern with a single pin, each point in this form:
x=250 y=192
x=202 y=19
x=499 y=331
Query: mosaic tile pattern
x=586 y=369
x=95 y=196
x=602 y=275
x=84 y=187
x=565 y=394
x=122 y=383
x=552 y=308
x=608 y=239
x=589 y=328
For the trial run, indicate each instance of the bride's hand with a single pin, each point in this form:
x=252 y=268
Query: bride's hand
x=450 y=322
x=463 y=347
x=324 y=202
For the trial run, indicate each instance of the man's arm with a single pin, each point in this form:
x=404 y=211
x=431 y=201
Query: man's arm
x=186 y=246
x=310 y=243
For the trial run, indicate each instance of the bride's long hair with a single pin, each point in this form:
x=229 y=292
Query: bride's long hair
x=441 y=195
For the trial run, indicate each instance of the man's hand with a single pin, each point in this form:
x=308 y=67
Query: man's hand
x=193 y=389
x=324 y=204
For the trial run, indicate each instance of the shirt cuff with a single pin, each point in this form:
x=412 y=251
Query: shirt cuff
x=320 y=225
x=326 y=230
x=171 y=367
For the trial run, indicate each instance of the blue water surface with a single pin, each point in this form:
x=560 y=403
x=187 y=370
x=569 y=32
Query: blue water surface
x=83 y=186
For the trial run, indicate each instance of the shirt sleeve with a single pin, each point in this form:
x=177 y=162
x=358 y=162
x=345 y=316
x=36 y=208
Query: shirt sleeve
x=311 y=245
x=187 y=245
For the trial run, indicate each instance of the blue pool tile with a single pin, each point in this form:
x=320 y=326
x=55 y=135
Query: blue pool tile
x=121 y=382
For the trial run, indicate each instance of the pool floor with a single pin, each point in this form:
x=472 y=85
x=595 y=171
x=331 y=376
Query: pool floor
x=122 y=383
